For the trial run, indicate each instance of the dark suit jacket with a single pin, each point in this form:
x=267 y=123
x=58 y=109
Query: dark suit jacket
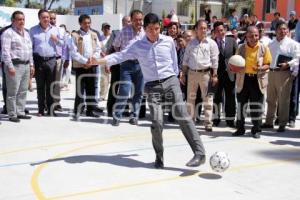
x=229 y=50
x=109 y=44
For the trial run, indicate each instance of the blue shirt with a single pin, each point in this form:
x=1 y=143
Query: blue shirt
x=297 y=32
x=158 y=60
x=42 y=44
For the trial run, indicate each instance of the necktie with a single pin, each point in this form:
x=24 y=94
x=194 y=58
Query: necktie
x=221 y=46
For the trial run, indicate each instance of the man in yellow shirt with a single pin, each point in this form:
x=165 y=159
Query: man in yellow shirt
x=252 y=82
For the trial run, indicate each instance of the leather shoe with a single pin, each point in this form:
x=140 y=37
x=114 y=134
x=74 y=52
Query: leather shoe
x=26 y=111
x=58 y=108
x=24 y=117
x=239 y=132
x=97 y=109
x=230 y=124
x=208 y=128
x=14 y=119
x=281 y=129
x=196 y=161
x=133 y=121
x=92 y=114
x=216 y=122
x=265 y=125
x=255 y=132
x=159 y=163
x=115 y=122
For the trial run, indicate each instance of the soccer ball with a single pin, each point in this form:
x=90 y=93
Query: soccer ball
x=236 y=63
x=219 y=161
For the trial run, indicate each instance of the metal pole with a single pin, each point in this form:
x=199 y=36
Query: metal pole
x=196 y=10
x=126 y=2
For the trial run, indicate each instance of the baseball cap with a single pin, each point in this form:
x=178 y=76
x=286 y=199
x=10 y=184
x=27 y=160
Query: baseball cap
x=105 y=25
x=292 y=13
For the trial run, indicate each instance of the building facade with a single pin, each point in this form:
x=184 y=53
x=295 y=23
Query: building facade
x=265 y=9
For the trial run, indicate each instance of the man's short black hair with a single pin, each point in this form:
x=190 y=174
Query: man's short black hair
x=151 y=18
x=83 y=17
x=17 y=12
x=41 y=11
x=218 y=23
x=280 y=23
x=135 y=12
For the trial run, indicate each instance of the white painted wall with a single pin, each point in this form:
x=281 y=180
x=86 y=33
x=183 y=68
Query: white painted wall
x=71 y=21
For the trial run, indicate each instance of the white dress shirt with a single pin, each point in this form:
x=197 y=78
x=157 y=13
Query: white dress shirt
x=265 y=40
x=87 y=48
x=158 y=60
x=201 y=55
x=286 y=47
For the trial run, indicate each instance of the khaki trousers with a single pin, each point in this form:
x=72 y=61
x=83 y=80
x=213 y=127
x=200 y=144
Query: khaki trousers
x=104 y=82
x=196 y=79
x=278 y=95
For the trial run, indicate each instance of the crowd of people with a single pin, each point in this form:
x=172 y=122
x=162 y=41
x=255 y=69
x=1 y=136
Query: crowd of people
x=177 y=72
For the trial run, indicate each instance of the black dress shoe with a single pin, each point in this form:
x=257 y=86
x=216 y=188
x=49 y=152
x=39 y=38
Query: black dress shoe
x=196 y=161
x=170 y=117
x=239 y=132
x=216 y=122
x=276 y=121
x=255 y=132
x=97 y=109
x=208 y=128
x=92 y=114
x=230 y=124
x=133 y=121
x=115 y=122
x=159 y=163
x=58 y=108
x=14 y=119
x=281 y=129
x=26 y=111
x=4 y=112
x=24 y=117
x=265 y=125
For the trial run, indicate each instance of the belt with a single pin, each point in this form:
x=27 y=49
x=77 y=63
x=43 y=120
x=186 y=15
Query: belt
x=18 y=62
x=250 y=75
x=133 y=61
x=58 y=57
x=159 y=81
x=43 y=58
x=277 y=69
x=200 y=70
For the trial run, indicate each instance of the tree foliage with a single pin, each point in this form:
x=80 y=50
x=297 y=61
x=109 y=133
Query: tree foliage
x=11 y=3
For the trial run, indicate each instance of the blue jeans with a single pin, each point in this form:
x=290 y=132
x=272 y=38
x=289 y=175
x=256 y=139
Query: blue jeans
x=131 y=82
x=294 y=100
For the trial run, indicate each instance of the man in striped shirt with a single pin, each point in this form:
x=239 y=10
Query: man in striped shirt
x=18 y=65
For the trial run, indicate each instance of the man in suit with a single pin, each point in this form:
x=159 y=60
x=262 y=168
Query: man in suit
x=227 y=47
x=251 y=83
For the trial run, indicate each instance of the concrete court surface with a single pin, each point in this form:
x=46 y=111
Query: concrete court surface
x=57 y=158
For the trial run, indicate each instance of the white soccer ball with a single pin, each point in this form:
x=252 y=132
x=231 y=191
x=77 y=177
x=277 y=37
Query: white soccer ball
x=219 y=161
x=236 y=63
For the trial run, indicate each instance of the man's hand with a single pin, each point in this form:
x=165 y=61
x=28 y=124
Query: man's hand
x=66 y=64
x=107 y=69
x=12 y=71
x=284 y=66
x=32 y=70
x=54 y=38
x=182 y=78
x=214 y=80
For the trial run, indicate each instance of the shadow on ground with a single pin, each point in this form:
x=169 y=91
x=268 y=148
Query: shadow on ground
x=121 y=160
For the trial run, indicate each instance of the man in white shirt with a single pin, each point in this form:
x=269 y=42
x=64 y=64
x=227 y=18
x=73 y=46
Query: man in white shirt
x=284 y=68
x=265 y=40
x=200 y=61
x=84 y=45
x=104 y=78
